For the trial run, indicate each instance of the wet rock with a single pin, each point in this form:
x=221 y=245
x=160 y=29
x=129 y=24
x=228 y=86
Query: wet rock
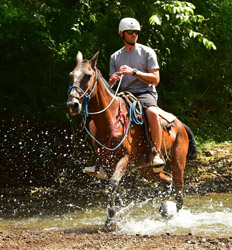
x=209 y=153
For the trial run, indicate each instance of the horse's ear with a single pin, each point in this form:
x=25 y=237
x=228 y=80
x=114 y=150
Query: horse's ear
x=79 y=57
x=94 y=60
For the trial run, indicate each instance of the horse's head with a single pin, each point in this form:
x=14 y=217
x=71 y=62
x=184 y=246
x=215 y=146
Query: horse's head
x=82 y=82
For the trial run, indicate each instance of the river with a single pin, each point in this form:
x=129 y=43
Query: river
x=209 y=215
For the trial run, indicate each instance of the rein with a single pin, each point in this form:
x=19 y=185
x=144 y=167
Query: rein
x=87 y=97
x=116 y=92
x=120 y=115
x=125 y=130
x=124 y=137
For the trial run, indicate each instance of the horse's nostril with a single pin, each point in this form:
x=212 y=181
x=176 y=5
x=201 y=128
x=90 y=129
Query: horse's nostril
x=76 y=105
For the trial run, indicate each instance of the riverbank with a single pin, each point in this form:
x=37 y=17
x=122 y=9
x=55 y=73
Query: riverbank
x=18 y=239
x=211 y=171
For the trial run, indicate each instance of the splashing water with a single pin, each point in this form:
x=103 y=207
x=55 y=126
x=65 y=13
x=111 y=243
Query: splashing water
x=214 y=224
x=202 y=215
x=210 y=215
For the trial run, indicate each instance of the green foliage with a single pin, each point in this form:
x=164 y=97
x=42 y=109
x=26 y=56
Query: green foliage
x=179 y=15
x=39 y=41
x=175 y=21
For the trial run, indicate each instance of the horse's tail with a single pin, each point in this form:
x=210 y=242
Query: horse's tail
x=192 y=151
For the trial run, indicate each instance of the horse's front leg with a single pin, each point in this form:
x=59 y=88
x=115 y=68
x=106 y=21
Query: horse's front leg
x=120 y=170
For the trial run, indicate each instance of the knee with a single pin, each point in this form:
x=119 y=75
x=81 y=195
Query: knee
x=152 y=113
x=152 y=110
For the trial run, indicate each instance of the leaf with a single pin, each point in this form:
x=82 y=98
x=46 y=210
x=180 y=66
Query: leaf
x=190 y=33
x=194 y=34
x=156 y=19
x=205 y=41
x=168 y=50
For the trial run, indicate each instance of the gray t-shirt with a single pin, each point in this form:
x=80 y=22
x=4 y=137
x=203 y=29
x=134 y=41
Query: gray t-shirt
x=142 y=58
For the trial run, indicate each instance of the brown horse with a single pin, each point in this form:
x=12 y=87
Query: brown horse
x=89 y=91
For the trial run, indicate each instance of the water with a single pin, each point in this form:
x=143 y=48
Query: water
x=209 y=215
x=201 y=215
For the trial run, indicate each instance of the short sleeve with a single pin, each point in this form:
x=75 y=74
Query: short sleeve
x=152 y=62
x=112 y=66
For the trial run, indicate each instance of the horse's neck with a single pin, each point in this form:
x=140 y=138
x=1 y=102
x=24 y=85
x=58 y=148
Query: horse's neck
x=100 y=100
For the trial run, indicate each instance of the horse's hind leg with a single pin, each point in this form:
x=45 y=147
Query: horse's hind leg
x=178 y=162
x=178 y=180
x=120 y=170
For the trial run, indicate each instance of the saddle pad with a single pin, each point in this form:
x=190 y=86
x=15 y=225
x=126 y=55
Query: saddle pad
x=129 y=98
x=167 y=116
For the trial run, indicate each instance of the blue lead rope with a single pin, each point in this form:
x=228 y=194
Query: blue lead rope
x=110 y=149
x=133 y=114
x=132 y=117
x=86 y=105
x=87 y=97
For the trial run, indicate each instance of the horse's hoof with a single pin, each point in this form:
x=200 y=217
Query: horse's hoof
x=110 y=227
x=168 y=209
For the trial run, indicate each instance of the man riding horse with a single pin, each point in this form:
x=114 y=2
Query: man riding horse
x=140 y=69
x=120 y=145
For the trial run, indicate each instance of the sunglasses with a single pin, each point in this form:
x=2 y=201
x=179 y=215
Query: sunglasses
x=131 y=32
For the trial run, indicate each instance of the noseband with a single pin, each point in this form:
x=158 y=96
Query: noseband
x=87 y=97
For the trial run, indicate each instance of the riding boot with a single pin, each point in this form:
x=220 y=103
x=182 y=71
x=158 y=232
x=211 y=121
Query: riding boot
x=157 y=161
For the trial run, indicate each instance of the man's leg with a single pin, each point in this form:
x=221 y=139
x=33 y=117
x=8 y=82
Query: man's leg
x=156 y=133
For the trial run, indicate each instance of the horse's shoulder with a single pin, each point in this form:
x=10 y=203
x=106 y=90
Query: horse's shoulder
x=92 y=128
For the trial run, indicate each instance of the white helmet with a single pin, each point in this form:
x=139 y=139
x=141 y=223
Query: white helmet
x=128 y=24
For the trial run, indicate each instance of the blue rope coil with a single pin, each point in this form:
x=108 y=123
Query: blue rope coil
x=135 y=114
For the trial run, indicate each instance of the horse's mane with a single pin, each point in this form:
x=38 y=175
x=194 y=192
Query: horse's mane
x=103 y=80
x=106 y=83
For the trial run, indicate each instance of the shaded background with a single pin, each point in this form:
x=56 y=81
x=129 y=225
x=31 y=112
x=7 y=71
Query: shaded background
x=38 y=44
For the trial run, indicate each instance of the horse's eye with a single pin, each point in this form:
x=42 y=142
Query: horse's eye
x=86 y=78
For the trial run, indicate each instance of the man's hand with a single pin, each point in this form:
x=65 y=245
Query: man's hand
x=124 y=69
x=115 y=77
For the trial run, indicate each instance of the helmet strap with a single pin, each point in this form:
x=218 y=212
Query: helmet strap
x=132 y=44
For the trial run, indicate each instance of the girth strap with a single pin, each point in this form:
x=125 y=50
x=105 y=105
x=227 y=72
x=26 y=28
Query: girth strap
x=119 y=116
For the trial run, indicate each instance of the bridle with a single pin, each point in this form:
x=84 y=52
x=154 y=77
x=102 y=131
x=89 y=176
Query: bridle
x=85 y=108
x=87 y=97
x=84 y=93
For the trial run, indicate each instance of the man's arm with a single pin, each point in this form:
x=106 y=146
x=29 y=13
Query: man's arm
x=151 y=77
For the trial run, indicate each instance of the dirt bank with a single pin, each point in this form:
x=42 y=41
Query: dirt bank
x=102 y=241
x=211 y=172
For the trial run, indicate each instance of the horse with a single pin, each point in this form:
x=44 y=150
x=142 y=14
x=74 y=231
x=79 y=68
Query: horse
x=120 y=143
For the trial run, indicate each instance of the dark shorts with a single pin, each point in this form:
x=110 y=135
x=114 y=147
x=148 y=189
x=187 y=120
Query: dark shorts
x=146 y=99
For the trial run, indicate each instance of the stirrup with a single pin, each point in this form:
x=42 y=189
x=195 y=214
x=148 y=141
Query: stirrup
x=158 y=168
x=157 y=163
x=93 y=172
x=102 y=174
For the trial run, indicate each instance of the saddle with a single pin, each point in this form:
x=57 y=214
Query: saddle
x=166 y=118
